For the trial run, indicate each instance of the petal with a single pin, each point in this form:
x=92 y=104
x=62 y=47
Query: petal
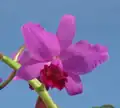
x=83 y=57
x=17 y=78
x=41 y=44
x=30 y=70
x=74 y=85
x=104 y=56
x=66 y=31
x=23 y=57
x=58 y=63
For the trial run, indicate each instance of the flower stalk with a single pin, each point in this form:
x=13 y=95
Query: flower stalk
x=12 y=74
x=38 y=86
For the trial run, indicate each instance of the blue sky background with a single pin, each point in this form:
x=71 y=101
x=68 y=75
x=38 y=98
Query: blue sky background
x=97 y=21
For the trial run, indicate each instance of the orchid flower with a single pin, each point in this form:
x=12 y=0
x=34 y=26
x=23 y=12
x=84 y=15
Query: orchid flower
x=67 y=60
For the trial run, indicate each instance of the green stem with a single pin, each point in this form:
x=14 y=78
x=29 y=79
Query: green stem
x=11 y=63
x=12 y=75
x=42 y=92
x=38 y=87
x=9 y=79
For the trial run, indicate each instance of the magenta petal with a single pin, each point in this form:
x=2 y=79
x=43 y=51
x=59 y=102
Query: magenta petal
x=17 y=78
x=83 y=57
x=104 y=56
x=23 y=57
x=74 y=85
x=58 y=63
x=41 y=44
x=66 y=31
x=30 y=70
x=26 y=60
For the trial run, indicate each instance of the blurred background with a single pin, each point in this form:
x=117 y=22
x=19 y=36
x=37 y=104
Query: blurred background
x=98 y=21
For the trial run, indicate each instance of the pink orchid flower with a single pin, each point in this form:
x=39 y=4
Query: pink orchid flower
x=57 y=49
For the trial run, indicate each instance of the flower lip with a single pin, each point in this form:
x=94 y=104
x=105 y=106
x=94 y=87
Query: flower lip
x=53 y=76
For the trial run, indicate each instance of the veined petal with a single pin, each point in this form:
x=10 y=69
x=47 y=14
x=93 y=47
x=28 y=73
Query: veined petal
x=66 y=31
x=41 y=44
x=83 y=57
x=74 y=85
